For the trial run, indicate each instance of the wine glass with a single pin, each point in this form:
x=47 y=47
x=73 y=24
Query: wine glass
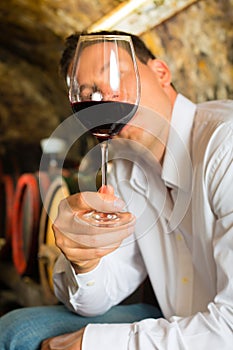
x=104 y=95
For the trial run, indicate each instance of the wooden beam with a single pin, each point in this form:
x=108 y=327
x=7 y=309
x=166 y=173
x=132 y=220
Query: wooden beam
x=139 y=16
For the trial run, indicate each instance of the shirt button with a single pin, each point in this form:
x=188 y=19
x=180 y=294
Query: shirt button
x=185 y=280
x=90 y=283
x=179 y=237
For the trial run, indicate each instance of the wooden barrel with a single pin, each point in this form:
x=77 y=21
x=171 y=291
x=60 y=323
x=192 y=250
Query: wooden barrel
x=26 y=215
x=7 y=189
x=48 y=252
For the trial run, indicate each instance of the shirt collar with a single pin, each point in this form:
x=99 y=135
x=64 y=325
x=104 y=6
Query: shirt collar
x=177 y=165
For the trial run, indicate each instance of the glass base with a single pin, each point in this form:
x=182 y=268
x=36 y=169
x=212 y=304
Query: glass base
x=96 y=218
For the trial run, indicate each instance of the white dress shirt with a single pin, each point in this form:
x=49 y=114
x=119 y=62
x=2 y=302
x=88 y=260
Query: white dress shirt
x=183 y=241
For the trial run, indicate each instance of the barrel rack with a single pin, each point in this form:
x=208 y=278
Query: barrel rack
x=26 y=291
x=27 y=246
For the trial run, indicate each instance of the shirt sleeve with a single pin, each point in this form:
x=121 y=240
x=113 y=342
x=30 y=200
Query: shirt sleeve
x=89 y=294
x=209 y=329
x=191 y=333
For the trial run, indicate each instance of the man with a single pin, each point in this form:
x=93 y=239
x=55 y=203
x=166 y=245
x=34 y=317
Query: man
x=176 y=178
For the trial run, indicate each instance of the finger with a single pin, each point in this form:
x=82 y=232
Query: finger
x=93 y=238
x=87 y=200
x=102 y=201
x=87 y=257
x=69 y=222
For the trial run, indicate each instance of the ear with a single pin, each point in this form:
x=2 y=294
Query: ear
x=162 y=71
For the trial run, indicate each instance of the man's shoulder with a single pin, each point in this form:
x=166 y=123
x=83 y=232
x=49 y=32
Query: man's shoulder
x=217 y=110
x=213 y=126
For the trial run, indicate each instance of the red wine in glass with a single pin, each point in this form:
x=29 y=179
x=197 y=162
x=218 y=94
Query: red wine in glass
x=104 y=119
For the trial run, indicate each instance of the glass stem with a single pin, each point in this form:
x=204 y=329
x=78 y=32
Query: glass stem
x=104 y=161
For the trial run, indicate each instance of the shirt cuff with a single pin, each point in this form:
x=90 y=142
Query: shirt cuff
x=88 y=279
x=106 y=336
x=83 y=280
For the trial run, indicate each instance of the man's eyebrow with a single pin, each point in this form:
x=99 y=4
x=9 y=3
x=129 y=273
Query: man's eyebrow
x=93 y=87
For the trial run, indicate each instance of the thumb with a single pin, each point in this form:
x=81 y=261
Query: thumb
x=106 y=189
x=103 y=202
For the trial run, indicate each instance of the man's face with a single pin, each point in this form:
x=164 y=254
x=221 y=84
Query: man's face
x=109 y=72
x=143 y=128
x=150 y=125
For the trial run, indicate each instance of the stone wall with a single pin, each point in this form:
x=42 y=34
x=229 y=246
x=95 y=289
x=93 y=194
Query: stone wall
x=198 y=46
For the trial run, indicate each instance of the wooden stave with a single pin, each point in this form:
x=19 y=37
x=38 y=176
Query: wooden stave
x=48 y=252
x=26 y=262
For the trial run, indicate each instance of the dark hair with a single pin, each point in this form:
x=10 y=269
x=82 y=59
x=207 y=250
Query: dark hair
x=142 y=52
